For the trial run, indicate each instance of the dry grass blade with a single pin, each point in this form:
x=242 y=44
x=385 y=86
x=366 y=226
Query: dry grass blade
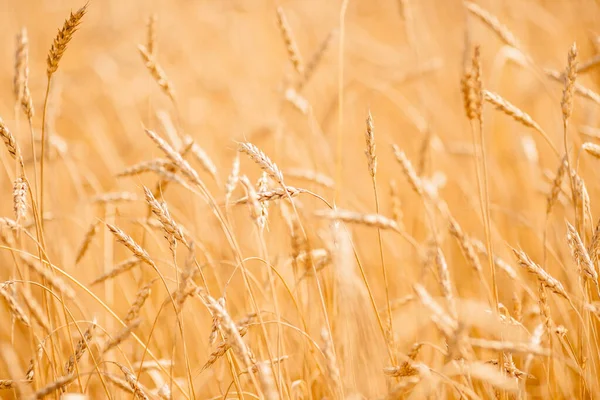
x=372 y=220
x=62 y=39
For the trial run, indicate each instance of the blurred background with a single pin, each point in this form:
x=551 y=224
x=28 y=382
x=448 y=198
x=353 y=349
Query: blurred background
x=400 y=60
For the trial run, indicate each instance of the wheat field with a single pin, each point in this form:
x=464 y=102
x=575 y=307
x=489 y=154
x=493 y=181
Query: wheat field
x=299 y=199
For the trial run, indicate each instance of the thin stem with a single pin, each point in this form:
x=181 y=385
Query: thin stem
x=43 y=155
x=390 y=327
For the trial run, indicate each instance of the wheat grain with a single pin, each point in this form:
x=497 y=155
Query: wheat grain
x=9 y=141
x=233 y=178
x=157 y=73
x=544 y=277
x=409 y=171
x=592 y=149
x=511 y=110
x=494 y=23
x=274 y=194
x=151 y=35
x=133 y=382
x=87 y=240
x=290 y=42
x=120 y=268
x=115 y=197
x=128 y=242
x=21 y=64
x=372 y=220
x=204 y=160
x=262 y=160
x=570 y=77
x=15 y=308
x=175 y=157
x=161 y=212
x=62 y=39
x=121 y=336
x=580 y=254
x=140 y=298
x=58 y=383
x=20 y=199
x=80 y=348
x=370 y=151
